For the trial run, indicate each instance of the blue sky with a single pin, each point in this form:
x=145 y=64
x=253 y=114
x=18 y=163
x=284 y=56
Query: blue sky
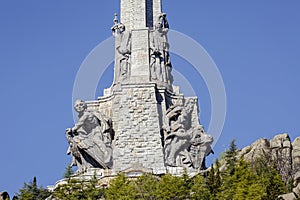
x=255 y=44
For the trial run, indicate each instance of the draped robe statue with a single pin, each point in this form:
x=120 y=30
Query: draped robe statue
x=160 y=65
x=123 y=51
x=90 y=139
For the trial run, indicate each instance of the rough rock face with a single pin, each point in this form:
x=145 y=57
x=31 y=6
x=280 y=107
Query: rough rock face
x=258 y=148
x=296 y=191
x=284 y=152
x=280 y=149
x=296 y=172
x=296 y=154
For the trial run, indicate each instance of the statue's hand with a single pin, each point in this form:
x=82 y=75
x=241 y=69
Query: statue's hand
x=156 y=51
x=68 y=130
x=73 y=130
x=115 y=27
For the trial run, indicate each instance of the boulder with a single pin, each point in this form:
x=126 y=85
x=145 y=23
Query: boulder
x=295 y=194
x=296 y=154
x=259 y=148
x=280 y=141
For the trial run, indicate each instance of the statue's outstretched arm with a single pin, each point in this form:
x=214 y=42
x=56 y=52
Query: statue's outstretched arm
x=80 y=123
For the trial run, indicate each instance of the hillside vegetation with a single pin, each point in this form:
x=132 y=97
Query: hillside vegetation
x=238 y=180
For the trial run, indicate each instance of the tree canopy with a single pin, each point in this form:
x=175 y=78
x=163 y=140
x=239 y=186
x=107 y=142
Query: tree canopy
x=240 y=180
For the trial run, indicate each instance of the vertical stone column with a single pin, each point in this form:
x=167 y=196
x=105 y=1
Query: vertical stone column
x=136 y=14
x=157 y=9
x=140 y=69
x=133 y=13
x=127 y=13
x=138 y=115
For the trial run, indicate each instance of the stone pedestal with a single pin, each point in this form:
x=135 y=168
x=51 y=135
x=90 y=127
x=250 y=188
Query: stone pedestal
x=138 y=138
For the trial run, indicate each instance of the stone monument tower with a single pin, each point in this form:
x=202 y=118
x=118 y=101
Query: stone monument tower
x=142 y=123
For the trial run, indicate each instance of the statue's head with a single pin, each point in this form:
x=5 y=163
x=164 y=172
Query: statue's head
x=121 y=27
x=80 y=106
x=179 y=102
x=161 y=18
x=199 y=136
x=158 y=25
x=196 y=138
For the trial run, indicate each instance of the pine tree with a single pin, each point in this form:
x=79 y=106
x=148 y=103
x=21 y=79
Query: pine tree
x=68 y=173
x=199 y=189
x=246 y=183
x=218 y=181
x=76 y=187
x=92 y=191
x=30 y=191
x=121 y=188
x=172 y=187
x=230 y=158
x=227 y=188
x=211 y=179
x=270 y=177
x=146 y=186
x=71 y=189
x=188 y=184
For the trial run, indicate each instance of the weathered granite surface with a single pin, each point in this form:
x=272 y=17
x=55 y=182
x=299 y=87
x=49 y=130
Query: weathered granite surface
x=280 y=148
x=284 y=152
x=295 y=158
x=138 y=138
x=296 y=154
x=295 y=194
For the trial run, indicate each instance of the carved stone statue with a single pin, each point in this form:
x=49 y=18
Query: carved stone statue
x=184 y=145
x=175 y=131
x=123 y=50
x=178 y=115
x=90 y=139
x=160 y=64
x=200 y=147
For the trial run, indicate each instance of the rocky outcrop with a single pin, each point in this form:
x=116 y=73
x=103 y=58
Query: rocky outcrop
x=280 y=149
x=281 y=152
x=295 y=157
x=296 y=154
x=259 y=148
x=284 y=153
x=295 y=194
